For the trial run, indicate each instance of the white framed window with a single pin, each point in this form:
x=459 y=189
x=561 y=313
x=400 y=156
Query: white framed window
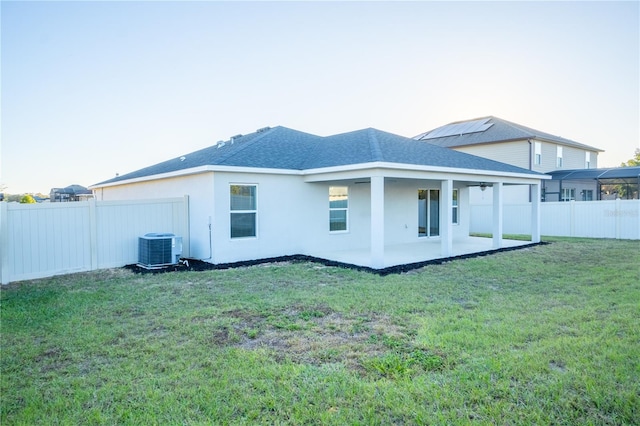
x=587 y=160
x=338 y=209
x=559 y=156
x=587 y=195
x=568 y=194
x=243 y=214
x=537 y=154
x=455 y=215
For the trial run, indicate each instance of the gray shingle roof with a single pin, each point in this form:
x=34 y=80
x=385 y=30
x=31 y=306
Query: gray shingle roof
x=499 y=131
x=288 y=149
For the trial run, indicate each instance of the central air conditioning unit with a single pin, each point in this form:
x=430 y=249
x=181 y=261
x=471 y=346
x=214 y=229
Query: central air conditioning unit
x=156 y=250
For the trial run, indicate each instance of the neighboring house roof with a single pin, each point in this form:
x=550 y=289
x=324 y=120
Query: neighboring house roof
x=490 y=130
x=599 y=174
x=287 y=149
x=72 y=190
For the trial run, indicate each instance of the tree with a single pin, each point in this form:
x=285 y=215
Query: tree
x=27 y=199
x=635 y=161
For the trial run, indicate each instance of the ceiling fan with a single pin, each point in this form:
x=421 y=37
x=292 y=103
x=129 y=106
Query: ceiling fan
x=482 y=185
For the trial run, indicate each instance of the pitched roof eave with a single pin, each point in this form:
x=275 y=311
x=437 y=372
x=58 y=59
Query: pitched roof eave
x=394 y=169
x=197 y=170
x=177 y=173
x=526 y=139
x=572 y=145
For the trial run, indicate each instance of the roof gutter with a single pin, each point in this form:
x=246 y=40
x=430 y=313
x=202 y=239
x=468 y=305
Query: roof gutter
x=529 y=138
x=412 y=168
x=195 y=171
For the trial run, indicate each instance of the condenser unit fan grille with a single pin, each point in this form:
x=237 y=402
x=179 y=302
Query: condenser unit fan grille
x=157 y=250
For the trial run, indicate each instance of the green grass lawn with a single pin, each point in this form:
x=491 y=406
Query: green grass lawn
x=544 y=335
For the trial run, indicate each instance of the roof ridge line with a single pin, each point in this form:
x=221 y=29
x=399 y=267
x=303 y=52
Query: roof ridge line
x=546 y=136
x=516 y=126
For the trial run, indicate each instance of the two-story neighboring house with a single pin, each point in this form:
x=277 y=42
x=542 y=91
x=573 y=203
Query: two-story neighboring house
x=518 y=145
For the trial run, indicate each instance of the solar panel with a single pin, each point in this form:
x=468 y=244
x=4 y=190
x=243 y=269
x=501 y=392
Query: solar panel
x=457 y=129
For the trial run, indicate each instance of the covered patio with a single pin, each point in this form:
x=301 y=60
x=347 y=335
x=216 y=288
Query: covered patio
x=393 y=199
x=421 y=251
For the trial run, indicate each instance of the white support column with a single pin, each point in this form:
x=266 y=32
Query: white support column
x=535 y=213
x=497 y=215
x=377 y=222
x=446 y=218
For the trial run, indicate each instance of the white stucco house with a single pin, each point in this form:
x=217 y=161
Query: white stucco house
x=367 y=197
x=512 y=143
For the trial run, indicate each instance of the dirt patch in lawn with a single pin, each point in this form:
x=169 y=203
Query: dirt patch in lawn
x=315 y=335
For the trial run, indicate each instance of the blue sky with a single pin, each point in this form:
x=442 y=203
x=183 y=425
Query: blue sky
x=91 y=89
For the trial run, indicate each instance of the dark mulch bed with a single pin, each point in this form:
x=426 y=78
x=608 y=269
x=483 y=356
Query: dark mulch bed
x=199 y=265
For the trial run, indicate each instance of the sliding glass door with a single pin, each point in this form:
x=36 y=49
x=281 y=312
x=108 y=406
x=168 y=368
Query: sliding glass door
x=428 y=212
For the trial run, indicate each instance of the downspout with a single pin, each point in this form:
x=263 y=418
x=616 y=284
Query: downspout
x=186 y=260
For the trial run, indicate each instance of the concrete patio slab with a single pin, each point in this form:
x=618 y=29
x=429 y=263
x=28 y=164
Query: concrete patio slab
x=422 y=251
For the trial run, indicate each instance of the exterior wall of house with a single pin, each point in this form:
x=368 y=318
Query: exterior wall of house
x=548 y=157
x=522 y=154
x=515 y=153
x=401 y=210
x=573 y=158
x=292 y=215
x=292 y=218
x=198 y=187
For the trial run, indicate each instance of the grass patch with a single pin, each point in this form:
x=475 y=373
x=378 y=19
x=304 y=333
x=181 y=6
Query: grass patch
x=543 y=335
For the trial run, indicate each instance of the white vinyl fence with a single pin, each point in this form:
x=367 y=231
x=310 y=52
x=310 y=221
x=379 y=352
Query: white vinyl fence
x=618 y=219
x=42 y=240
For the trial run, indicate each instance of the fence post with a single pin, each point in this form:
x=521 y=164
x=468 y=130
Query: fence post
x=93 y=234
x=535 y=213
x=4 y=242
x=617 y=214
